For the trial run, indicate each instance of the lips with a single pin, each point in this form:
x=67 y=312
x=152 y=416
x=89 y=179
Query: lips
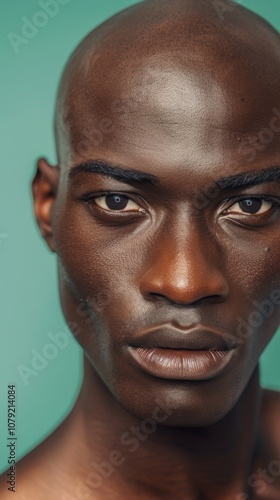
x=169 y=337
x=182 y=354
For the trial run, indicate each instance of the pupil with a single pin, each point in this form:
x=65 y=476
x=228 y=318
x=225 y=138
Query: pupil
x=116 y=202
x=250 y=206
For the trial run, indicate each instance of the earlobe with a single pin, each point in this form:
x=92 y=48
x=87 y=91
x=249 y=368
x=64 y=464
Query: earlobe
x=44 y=189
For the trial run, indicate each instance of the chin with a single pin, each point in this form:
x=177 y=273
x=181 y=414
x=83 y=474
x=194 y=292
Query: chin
x=189 y=411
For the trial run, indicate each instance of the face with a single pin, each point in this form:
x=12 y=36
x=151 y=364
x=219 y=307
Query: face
x=184 y=250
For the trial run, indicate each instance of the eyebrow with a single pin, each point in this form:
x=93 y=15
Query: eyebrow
x=132 y=176
x=118 y=172
x=250 y=179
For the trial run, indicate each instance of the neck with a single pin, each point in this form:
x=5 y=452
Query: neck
x=208 y=462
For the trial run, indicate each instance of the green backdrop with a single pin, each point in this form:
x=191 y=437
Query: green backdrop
x=30 y=312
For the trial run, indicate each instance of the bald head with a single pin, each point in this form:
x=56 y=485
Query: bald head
x=156 y=41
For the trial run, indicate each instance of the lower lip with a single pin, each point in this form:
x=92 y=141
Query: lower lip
x=181 y=364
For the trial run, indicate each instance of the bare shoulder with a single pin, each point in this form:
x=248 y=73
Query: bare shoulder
x=271 y=400
x=39 y=475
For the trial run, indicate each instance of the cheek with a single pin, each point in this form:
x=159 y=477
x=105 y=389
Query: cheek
x=254 y=269
x=96 y=274
x=88 y=260
x=250 y=259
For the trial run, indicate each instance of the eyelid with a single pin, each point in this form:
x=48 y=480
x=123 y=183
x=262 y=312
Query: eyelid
x=89 y=197
x=270 y=199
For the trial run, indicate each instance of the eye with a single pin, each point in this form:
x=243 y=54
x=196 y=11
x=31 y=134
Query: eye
x=253 y=206
x=117 y=202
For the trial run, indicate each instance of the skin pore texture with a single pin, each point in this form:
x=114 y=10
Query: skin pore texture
x=190 y=97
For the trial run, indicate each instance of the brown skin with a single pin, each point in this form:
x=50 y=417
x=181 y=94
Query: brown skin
x=190 y=101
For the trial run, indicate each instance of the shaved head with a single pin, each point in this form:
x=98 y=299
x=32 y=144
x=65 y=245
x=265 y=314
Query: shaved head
x=131 y=53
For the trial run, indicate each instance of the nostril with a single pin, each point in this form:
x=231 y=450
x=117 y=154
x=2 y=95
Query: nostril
x=211 y=299
x=156 y=296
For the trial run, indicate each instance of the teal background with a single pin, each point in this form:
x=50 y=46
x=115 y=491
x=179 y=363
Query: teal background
x=30 y=307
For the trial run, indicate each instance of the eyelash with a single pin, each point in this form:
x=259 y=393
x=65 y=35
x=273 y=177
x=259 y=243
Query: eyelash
x=275 y=202
x=91 y=196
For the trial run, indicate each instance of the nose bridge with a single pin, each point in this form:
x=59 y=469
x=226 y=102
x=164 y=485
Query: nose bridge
x=184 y=263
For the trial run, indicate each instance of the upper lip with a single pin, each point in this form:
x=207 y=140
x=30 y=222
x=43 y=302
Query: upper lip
x=169 y=337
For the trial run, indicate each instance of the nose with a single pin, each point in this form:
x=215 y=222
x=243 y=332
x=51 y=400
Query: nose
x=184 y=266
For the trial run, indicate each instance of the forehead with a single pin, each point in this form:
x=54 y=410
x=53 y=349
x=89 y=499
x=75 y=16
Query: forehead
x=172 y=107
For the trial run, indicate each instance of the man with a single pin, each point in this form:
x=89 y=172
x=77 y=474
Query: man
x=164 y=212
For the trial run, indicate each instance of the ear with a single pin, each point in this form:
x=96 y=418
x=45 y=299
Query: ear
x=44 y=190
